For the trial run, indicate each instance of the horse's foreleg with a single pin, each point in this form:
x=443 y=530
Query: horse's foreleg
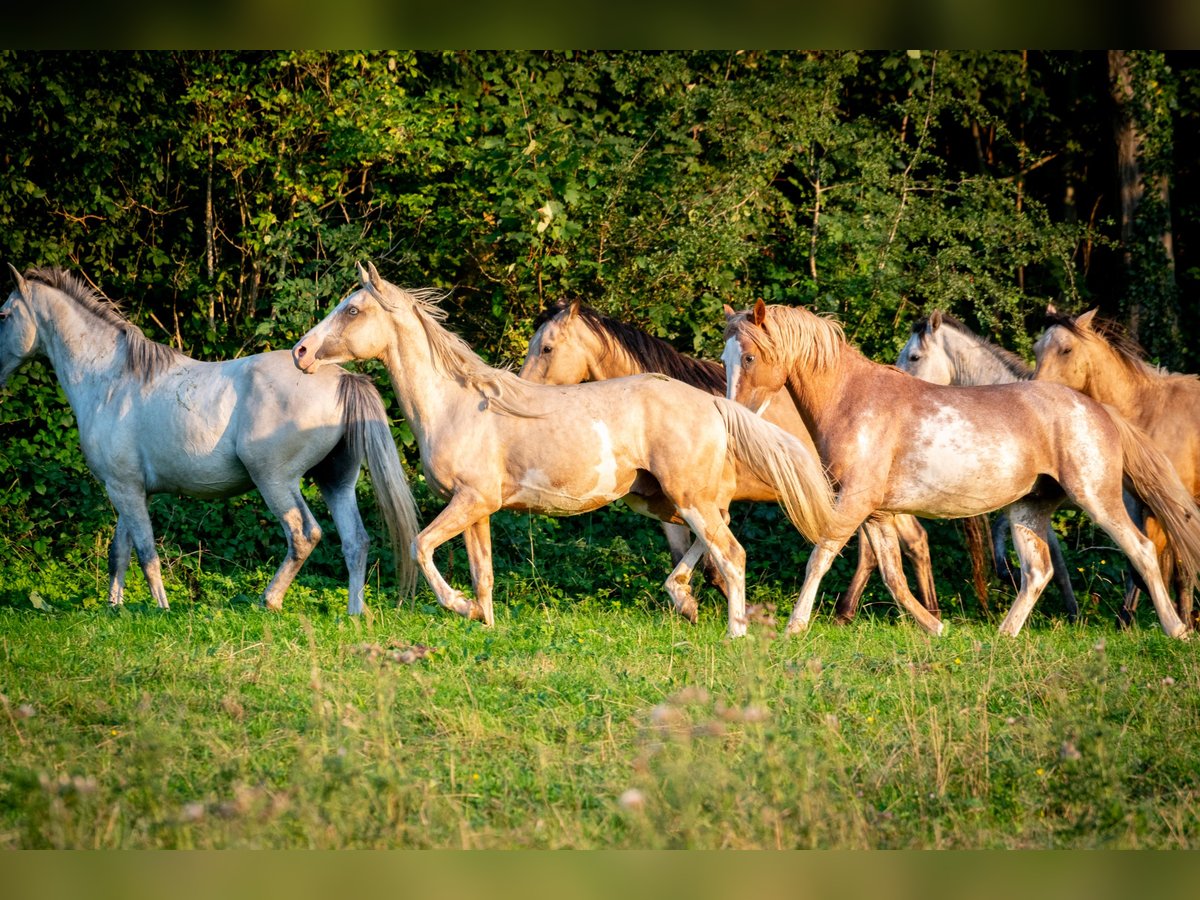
x=1140 y=551
x=463 y=511
x=914 y=541
x=886 y=542
x=133 y=529
x=356 y=543
x=1029 y=523
x=847 y=605
x=300 y=529
x=819 y=561
x=478 y=538
x=710 y=527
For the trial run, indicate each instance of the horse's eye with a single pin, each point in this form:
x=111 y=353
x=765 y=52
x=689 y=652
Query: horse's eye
x=352 y=310
x=546 y=351
x=747 y=359
x=914 y=357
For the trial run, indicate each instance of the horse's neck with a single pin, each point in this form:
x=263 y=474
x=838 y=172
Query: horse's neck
x=613 y=361
x=86 y=360
x=976 y=362
x=817 y=394
x=1121 y=386
x=429 y=398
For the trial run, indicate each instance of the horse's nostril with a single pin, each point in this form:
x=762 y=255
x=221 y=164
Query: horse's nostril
x=301 y=350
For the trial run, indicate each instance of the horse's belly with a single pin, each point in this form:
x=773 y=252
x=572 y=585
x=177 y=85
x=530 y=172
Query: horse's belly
x=538 y=491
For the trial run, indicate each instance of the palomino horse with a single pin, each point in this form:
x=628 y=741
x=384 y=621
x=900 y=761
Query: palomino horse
x=943 y=350
x=896 y=444
x=1097 y=357
x=573 y=343
x=153 y=421
x=491 y=441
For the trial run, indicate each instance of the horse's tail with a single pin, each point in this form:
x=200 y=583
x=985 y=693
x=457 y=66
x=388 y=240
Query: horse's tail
x=780 y=460
x=368 y=435
x=1153 y=478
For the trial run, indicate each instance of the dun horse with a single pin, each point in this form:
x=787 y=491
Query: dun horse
x=1096 y=357
x=573 y=343
x=896 y=444
x=152 y=420
x=491 y=441
x=943 y=350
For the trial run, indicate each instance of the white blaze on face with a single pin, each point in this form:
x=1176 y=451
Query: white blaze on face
x=732 y=358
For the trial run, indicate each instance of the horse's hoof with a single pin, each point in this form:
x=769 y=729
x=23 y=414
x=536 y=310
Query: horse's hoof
x=837 y=620
x=476 y=614
x=1124 y=620
x=794 y=628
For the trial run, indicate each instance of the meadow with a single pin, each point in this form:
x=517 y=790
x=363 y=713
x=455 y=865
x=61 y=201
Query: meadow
x=589 y=717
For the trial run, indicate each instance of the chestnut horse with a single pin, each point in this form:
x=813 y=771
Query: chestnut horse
x=896 y=444
x=943 y=350
x=573 y=343
x=1097 y=357
x=491 y=441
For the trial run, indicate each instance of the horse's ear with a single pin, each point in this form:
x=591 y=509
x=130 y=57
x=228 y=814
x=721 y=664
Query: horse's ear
x=1051 y=309
x=1085 y=321
x=572 y=310
x=759 y=316
x=363 y=277
x=373 y=274
x=935 y=321
x=22 y=287
x=730 y=312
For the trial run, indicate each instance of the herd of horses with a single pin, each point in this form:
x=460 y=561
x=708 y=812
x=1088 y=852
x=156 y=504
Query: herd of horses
x=793 y=414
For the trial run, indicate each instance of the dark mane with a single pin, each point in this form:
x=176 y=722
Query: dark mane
x=651 y=353
x=144 y=358
x=1013 y=363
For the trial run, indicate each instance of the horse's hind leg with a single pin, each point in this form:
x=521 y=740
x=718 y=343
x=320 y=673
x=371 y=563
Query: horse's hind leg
x=133 y=531
x=299 y=527
x=886 y=543
x=1030 y=520
x=914 y=541
x=679 y=583
x=478 y=537
x=680 y=540
x=356 y=543
x=727 y=554
x=847 y=605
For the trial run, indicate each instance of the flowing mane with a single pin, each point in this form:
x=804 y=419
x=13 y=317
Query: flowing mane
x=144 y=358
x=1127 y=350
x=1011 y=363
x=454 y=358
x=792 y=333
x=651 y=353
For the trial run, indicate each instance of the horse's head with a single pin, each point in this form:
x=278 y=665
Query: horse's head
x=560 y=349
x=924 y=355
x=18 y=327
x=753 y=372
x=357 y=328
x=1062 y=351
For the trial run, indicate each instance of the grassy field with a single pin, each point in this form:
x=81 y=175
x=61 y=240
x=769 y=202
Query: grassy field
x=589 y=717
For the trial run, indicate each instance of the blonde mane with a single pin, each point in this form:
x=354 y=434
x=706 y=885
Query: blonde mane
x=453 y=357
x=793 y=335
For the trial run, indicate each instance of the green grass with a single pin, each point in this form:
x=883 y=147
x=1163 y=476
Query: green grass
x=589 y=717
